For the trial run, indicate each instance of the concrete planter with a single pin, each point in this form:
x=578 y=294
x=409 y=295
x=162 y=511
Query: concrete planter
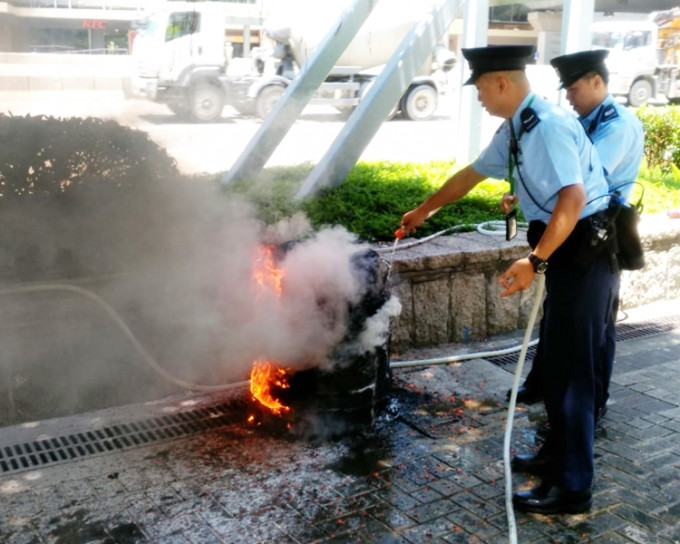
x=449 y=286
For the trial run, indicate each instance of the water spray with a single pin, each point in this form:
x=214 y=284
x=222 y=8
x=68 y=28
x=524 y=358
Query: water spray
x=398 y=235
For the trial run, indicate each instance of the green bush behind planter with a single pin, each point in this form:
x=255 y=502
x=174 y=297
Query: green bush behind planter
x=76 y=195
x=73 y=190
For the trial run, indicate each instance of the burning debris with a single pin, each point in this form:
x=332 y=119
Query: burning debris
x=331 y=371
x=264 y=378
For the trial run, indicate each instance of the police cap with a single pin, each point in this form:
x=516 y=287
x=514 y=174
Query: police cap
x=574 y=66
x=494 y=58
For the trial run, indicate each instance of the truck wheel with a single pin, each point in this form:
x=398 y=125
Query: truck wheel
x=363 y=90
x=244 y=108
x=207 y=102
x=420 y=102
x=266 y=99
x=640 y=93
x=179 y=109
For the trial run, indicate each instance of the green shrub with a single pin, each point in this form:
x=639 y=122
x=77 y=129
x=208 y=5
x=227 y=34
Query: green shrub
x=47 y=157
x=662 y=136
x=661 y=189
x=79 y=196
x=373 y=198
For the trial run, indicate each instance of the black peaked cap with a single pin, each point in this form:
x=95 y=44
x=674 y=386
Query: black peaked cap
x=574 y=66
x=494 y=58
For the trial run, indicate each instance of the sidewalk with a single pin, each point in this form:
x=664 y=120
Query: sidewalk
x=191 y=470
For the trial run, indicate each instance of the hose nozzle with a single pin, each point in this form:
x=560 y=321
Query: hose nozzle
x=399 y=233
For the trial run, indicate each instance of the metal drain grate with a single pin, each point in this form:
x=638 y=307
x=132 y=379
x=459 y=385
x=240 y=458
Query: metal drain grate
x=512 y=358
x=624 y=331
x=62 y=449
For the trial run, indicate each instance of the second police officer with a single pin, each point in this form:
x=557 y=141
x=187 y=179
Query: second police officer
x=619 y=139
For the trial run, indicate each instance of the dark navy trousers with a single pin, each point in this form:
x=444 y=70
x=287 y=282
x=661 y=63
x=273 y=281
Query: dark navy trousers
x=603 y=374
x=604 y=366
x=577 y=310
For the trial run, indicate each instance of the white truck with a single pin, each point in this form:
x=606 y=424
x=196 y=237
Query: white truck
x=644 y=56
x=183 y=57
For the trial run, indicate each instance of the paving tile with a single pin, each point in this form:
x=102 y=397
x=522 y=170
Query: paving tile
x=393 y=518
x=641 y=536
x=434 y=474
x=431 y=530
x=669 y=513
x=427 y=512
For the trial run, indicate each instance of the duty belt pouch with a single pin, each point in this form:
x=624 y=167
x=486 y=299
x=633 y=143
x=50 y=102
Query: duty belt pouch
x=630 y=253
x=590 y=237
x=599 y=234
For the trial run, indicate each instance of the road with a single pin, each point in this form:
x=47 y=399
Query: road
x=215 y=147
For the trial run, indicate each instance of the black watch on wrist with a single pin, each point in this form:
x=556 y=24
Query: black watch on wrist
x=540 y=266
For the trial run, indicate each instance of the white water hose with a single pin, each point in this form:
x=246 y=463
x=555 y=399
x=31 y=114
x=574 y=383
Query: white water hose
x=538 y=296
x=490 y=228
x=512 y=526
x=125 y=330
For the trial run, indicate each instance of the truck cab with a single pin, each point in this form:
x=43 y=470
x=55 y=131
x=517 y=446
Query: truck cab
x=632 y=60
x=181 y=55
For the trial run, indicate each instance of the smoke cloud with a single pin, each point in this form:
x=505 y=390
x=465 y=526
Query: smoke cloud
x=178 y=270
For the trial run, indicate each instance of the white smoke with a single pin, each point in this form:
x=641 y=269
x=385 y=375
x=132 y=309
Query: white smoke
x=377 y=327
x=301 y=327
x=184 y=287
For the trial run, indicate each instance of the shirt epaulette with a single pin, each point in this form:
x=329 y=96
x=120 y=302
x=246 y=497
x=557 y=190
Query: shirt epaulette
x=529 y=119
x=609 y=113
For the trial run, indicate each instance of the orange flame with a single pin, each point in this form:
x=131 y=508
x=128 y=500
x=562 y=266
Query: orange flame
x=263 y=377
x=267 y=276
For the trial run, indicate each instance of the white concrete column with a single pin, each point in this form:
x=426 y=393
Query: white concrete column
x=246 y=41
x=577 y=19
x=475 y=33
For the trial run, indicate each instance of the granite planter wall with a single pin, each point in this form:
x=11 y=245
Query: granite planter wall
x=449 y=286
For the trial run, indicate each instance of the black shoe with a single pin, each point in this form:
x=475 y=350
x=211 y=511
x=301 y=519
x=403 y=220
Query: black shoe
x=532 y=463
x=551 y=499
x=542 y=432
x=599 y=414
x=526 y=395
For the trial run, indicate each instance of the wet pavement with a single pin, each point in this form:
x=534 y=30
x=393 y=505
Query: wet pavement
x=191 y=469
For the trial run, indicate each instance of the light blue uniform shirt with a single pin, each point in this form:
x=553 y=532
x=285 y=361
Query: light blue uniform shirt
x=553 y=154
x=618 y=137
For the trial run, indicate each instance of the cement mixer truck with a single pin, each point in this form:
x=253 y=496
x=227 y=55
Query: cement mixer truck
x=184 y=55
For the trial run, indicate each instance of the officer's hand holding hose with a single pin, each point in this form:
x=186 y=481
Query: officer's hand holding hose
x=508 y=202
x=570 y=202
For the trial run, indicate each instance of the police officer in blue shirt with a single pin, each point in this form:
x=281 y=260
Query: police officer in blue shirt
x=619 y=139
x=558 y=178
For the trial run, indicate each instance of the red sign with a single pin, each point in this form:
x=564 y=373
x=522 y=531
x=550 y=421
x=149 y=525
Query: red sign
x=94 y=23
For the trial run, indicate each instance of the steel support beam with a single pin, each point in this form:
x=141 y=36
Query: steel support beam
x=299 y=92
x=375 y=107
